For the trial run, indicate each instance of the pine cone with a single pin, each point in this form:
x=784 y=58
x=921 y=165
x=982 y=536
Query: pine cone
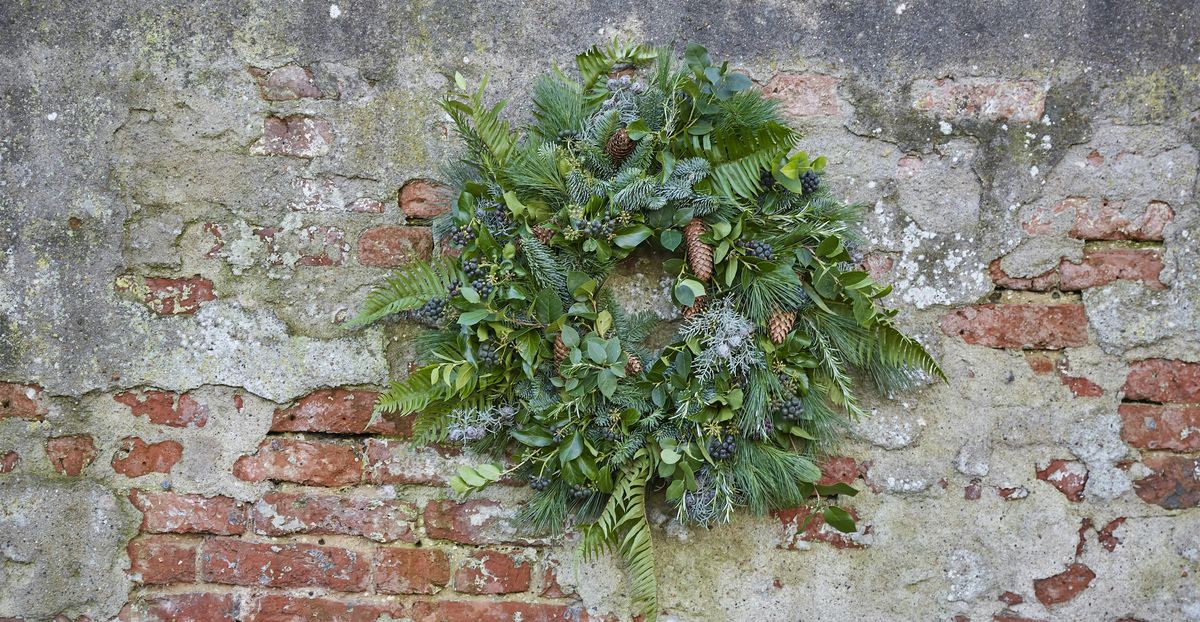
x=561 y=351
x=618 y=147
x=543 y=234
x=779 y=325
x=699 y=254
x=633 y=366
x=696 y=307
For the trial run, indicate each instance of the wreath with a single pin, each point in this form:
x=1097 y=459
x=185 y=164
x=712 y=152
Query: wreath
x=536 y=362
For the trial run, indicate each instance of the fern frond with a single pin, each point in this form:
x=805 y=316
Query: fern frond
x=409 y=395
x=897 y=350
x=419 y=283
x=742 y=177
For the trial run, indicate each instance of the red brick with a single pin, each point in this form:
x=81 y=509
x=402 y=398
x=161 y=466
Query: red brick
x=479 y=521
x=237 y=562
x=187 y=608
x=1161 y=426
x=411 y=571
x=70 y=454
x=1082 y=387
x=1105 y=220
x=400 y=462
x=314 y=463
x=496 y=611
x=168 y=512
x=165 y=407
x=1069 y=477
x=281 y=514
x=1027 y=326
x=8 y=461
x=1013 y=493
x=135 y=457
x=981 y=99
x=1163 y=380
x=1042 y=283
x=878 y=266
x=1063 y=586
x=421 y=198
x=492 y=572
x=297 y=135
x=801 y=525
x=168 y=296
x=20 y=401
x=1174 y=482
x=287 y=83
x=1108 y=535
x=1009 y=616
x=336 y=411
x=804 y=95
x=1043 y=362
x=1105 y=266
x=1011 y=598
x=392 y=247
x=315 y=245
x=552 y=587
x=838 y=470
x=162 y=559
x=283 y=608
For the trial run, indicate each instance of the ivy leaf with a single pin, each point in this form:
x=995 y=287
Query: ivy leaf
x=839 y=519
x=547 y=306
x=571 y=449
x=670 y=239
x=471 y=318
x=631 y=235
x=607 y=383
x=533 y=438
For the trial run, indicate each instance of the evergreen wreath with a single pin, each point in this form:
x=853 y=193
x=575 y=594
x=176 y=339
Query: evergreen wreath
x=536 y=363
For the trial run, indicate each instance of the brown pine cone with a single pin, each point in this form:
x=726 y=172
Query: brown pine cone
x=699 y=254
x=619 y=146
x=696 y=307
x=633 y=366
x=561 y=351
x=543 y=234
x=779 y=325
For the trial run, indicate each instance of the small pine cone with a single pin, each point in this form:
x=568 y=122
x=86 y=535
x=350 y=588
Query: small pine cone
x=779 y=325
x=543 y=234
x=619 y=146
x=633 y=366
x=561 y=351
x=696 y=307
x=699 y=254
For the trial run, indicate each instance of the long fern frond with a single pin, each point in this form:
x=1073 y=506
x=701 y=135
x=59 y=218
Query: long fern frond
x=419 y=283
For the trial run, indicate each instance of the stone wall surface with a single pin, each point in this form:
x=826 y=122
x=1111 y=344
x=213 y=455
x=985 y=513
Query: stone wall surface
x=195 y=195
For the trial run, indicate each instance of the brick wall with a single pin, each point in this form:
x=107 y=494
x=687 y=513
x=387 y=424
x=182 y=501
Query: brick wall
x=191 y=213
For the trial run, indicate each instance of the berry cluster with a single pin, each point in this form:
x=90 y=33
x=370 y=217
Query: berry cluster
x=539 y=483
x=430 y=313
x=722 y=449
x=486 y=354
x=757 y=248
x=596 y=228
x=462 y=235
x=579 y=491
x=483 y=286
x=791 y=408
x=810 y=181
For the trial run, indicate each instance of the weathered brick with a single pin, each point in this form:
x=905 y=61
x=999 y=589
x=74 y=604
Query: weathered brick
x=336 y=411
x=314 y=463
x=478 y=521
x=1108 y=535
x=168 y=296
x=162 y=559
x=838 y=470
x=1163 y=380
x=1081 y=387
x=804 y=95
x=297 y=135
x=1109 y=220
x=411 y=571
x=288 y=83
x=421 y=198
x=165 y=407
x=237 y=562
x=284 y=608
x=400 y=462
x=1027 y=326
x=981 y=99
x=382 y=520
x=1063 y=586
x=21 y=401
x=70 y=454
x=1042 y=283
x=552 y=586
x=1159 y=426
x=9 y=461
x=392 y=247
x=201 y=607
x=134 y=457
x=1174 y=482
x=314 y=245
x=496 y=611
x=168 y=512
x=492 y=572
x=1105 y=266
x=800 y=525
x=1069 y=477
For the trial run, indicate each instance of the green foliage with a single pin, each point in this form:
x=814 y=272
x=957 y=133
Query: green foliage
x=537 y=365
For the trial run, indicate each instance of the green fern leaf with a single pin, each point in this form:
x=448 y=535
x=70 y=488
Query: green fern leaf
x=419 y=283
x=899 y=350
